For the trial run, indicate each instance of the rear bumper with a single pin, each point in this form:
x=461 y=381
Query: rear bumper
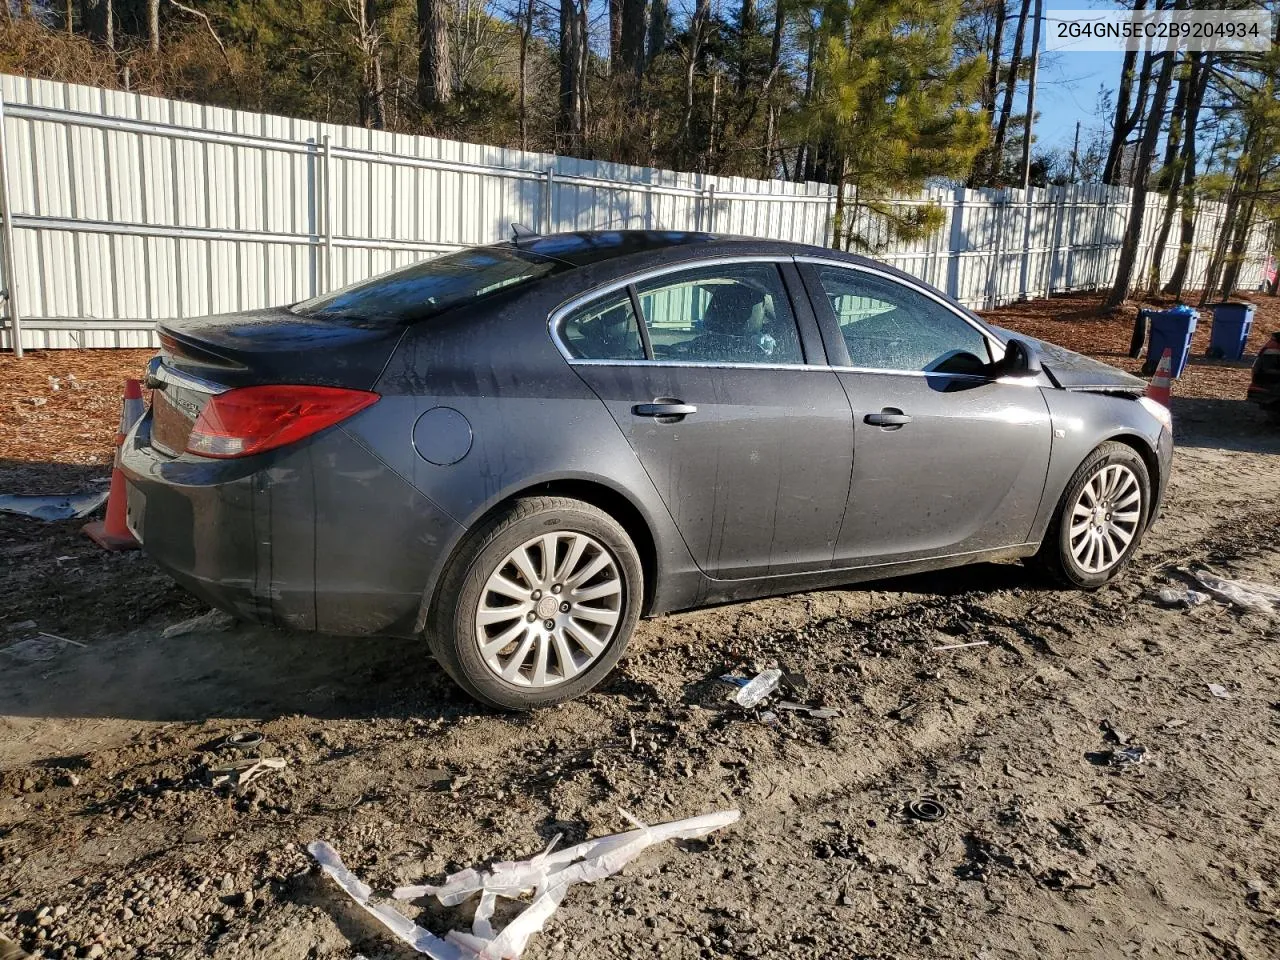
x=320 y=536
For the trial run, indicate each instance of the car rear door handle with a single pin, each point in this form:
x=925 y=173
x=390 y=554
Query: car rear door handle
x=890 y=418
x=664 y=408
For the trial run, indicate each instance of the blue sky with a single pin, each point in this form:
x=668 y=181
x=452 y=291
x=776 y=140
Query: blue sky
x=1068 y=91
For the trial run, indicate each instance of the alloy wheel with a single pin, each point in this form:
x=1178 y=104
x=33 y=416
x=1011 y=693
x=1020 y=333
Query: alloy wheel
x=549 y=609
x=1105 y=518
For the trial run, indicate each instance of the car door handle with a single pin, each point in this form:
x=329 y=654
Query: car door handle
x=889 y=418
x=663 y=409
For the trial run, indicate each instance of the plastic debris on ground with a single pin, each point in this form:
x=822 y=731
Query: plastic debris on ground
x=759 y=687
x=1128 y=756
x=549 y=875
x=50 y=508
x=213 y=620
x=238 y=774
x=1182 y=597
x=1219 y=691
x=1246 y=594
x=962 y=646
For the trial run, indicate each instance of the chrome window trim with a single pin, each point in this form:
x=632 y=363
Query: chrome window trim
x=157 y=369
x=568 y=306
x=893 y=278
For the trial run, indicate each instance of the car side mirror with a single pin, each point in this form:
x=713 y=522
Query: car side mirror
x=1020 y=360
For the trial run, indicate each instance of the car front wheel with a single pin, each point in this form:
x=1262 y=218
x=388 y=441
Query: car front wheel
x=538 y=604
x=1100 y=520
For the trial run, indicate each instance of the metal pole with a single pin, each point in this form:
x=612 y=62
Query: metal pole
x=548 y=225
x=1075 y=153
x=1028 y=120
x=6 y=239
x=1028 y=123
x=326 y=172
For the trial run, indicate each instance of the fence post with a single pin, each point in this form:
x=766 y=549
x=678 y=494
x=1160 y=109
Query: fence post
x=548 y=207
x=327 y=177
x=9 y=259
x=1001 y=206
x=1024 y=269
x=711 y=208
x=957 y=242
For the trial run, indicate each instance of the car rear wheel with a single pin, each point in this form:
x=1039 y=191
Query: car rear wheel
x=538 y=604
x=1100 y=519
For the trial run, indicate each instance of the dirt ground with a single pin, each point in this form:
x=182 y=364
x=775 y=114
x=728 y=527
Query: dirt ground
x=113 y=844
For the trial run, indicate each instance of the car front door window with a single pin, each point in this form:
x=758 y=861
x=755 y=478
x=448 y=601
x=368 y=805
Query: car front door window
x=889 y=326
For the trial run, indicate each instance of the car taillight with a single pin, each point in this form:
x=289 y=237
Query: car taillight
x=251 y=420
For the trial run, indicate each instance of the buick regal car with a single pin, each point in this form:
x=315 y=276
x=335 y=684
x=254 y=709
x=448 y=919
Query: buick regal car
x=516 y=451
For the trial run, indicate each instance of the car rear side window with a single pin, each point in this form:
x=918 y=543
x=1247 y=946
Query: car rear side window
x=605 y=329
x=430 y=287
x=727 y=313
x=889 y=326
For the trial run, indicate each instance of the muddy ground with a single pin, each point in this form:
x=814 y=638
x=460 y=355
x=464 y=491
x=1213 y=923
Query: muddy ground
x=113 y=844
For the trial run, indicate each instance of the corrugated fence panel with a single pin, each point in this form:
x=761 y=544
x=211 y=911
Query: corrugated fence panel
x=130 y=209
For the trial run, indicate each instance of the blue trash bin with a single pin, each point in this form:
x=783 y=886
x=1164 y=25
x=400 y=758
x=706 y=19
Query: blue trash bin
x=1231 y=325
x=1170 y=329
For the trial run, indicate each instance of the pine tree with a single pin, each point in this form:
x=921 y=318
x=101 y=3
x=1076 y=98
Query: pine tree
x=894 y=107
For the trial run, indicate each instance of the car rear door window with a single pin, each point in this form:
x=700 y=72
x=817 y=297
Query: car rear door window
x=604 y=329
x=727 y=313
x=889 y=326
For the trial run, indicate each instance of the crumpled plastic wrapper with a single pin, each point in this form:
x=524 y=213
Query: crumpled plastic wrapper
x=548 y=875
x=1246 y=594
x=51 y=508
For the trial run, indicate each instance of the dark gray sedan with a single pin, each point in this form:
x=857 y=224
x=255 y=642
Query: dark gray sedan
x=518 y=450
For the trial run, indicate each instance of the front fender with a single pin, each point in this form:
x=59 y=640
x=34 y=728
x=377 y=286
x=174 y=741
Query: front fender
x=1082 y=420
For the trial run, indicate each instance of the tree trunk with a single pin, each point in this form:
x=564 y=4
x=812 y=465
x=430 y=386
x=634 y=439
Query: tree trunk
x=373 y=68
x=775 y=59
x=694 y=52
x=569 y=115
x=1138 y=203
x=1186 y=240
x=615 y=34
x=1129 y=107
x=632 y=40
x=997 y=45
x=988 y=102
x=582 y=45
x=526 y=33
x=153 y=26
x=98 y=19
x=1174 y=157
x=1011 y=86
x=435 y=71
x=657 y=29
x=748 y=27
x=1239 y=243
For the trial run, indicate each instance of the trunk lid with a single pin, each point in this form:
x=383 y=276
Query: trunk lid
x=1075 y=371
x=205 y=356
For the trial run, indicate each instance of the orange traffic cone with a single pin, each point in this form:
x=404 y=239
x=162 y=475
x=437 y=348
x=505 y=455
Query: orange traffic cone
x=113 y=533
x=1160 y=389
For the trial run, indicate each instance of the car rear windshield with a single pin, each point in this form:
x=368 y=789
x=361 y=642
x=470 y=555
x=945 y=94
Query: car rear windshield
x=430 y=287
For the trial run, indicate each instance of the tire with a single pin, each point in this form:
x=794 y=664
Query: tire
x=1066 y=553
x=498 y=578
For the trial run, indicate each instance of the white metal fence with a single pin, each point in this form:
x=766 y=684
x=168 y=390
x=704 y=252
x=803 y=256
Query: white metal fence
x=125 y=209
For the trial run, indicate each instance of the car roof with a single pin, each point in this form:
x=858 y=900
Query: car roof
x=629 y=249
x=594 y=246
